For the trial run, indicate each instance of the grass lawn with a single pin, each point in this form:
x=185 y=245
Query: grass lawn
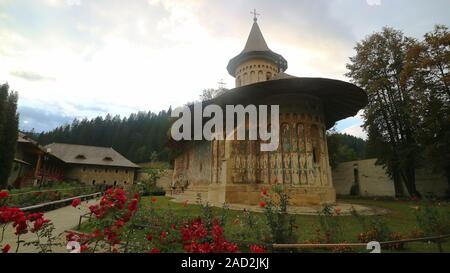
x=401 y=219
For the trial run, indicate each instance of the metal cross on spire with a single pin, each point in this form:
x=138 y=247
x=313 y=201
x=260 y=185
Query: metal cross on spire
x=255 y=15
x=221 y=84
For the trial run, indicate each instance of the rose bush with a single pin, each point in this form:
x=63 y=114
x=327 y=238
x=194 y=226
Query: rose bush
x=24 y=223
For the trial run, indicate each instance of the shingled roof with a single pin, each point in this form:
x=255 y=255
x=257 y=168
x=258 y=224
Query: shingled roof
x=89 y=155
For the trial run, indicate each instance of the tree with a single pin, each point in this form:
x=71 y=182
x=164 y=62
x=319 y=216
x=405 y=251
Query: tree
x=136 y=136
x=377 y=68
x=427 y=70
x=9 y=123
x=343 y=148
x=211 y=93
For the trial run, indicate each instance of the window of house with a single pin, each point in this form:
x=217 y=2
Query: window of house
x=93 y=182
x=115 y=183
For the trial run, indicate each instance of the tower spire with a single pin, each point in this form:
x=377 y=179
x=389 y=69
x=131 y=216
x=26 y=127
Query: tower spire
x=255 y=15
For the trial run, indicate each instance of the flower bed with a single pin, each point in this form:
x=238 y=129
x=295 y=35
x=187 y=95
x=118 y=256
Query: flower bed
x=31 y=198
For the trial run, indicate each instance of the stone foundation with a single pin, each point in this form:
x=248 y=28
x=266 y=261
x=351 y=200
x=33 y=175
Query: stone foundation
x=251 y=194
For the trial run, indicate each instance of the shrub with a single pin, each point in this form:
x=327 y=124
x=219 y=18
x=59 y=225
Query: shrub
x=431 y=220
x=377 y=229
x=281 y=224
x=330 y=230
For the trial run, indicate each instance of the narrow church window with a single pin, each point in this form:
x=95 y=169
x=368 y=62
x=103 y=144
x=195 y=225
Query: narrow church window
x=93 y=182
x=268 y=76
x=260 y=75
x=115 y=183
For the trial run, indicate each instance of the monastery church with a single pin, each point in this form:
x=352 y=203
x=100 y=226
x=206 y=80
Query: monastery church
x=235 y=172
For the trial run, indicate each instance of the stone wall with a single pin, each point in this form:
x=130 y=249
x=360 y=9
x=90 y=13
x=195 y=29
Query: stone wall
x=98 y=175
x=164 y=182
x=373 y=180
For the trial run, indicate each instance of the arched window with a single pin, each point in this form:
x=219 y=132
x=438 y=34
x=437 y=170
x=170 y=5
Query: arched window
x=260 y=75
x=93 y=182
x=252 y=76
x=268 y=76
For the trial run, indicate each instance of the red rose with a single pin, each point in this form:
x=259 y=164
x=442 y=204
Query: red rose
x=132 y=206
x=257 y=249
x=264 y=191
x=6 y=248
x=120 y=223
x=3 y=194
x=154 y=250
x=76 y=202
x=149 y=237
x=262 y=204
x=38 y=223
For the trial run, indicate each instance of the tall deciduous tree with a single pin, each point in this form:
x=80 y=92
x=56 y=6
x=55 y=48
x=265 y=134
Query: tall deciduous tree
x=427 y=70
x=9 y=122
x=377 y=68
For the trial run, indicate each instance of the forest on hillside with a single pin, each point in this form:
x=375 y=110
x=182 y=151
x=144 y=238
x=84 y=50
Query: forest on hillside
x=142 y=136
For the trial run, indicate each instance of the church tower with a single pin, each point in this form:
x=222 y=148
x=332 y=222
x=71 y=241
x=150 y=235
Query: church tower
x=256 y=63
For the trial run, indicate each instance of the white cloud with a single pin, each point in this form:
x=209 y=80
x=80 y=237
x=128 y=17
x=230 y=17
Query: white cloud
x=126 y=56
x=355 y=130
x=373 y=2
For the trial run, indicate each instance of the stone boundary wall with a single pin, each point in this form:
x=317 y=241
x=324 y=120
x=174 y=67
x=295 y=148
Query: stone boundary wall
x=373 y=180
x=164 y=181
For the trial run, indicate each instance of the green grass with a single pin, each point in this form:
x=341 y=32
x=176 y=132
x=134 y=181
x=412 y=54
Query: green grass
x=401 y=219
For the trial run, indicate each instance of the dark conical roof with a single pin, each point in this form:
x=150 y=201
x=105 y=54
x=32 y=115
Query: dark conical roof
x=256 y=47
x=255 y=41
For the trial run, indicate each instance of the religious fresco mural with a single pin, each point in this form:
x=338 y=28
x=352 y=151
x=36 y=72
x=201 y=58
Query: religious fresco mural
x=300 y=159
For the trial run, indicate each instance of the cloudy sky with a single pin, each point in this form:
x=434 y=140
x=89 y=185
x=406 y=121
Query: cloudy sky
x=84 y=58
